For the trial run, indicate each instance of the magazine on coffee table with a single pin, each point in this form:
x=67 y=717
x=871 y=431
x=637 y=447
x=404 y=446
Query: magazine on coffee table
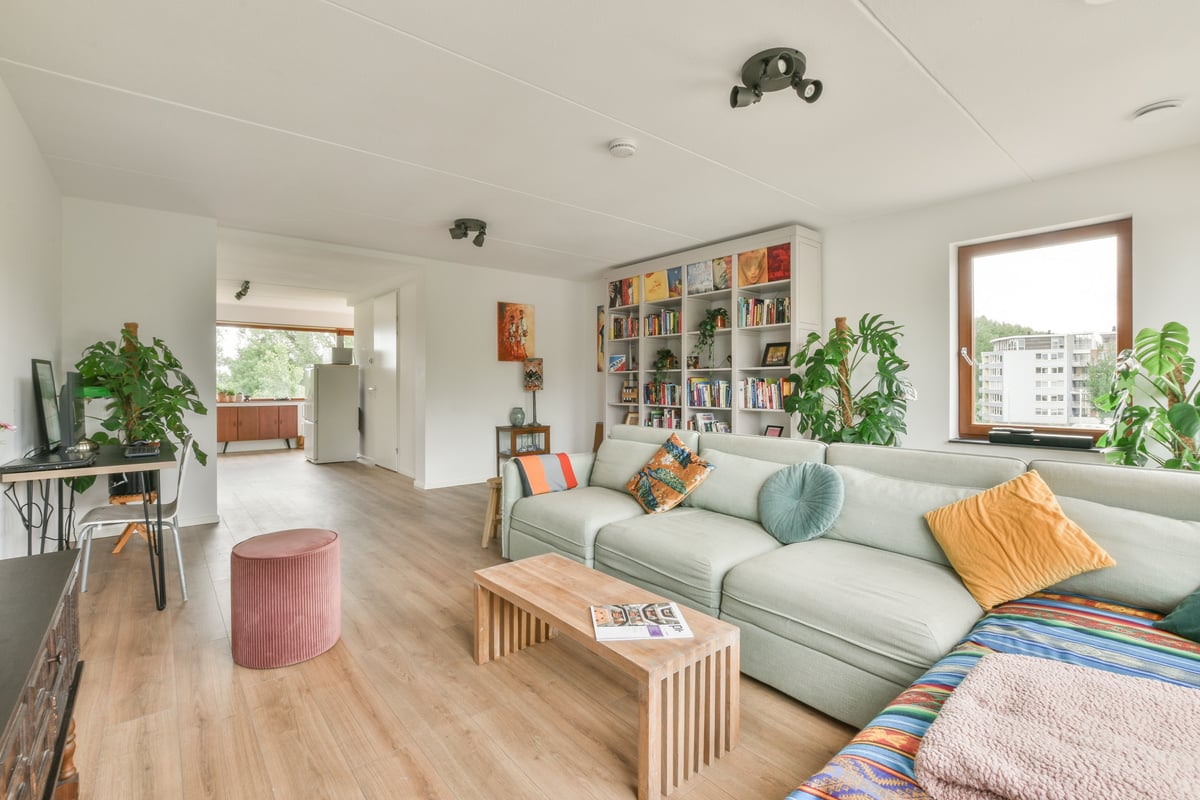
x=639 y=621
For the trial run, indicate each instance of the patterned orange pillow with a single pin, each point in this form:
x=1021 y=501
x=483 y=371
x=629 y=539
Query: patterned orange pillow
x=668 y=476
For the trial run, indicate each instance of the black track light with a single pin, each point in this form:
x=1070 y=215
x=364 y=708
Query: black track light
x=464 y=227
x=242 y=292
x=770 y=71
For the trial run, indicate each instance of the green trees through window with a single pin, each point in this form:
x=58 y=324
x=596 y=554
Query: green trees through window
x=269 y=362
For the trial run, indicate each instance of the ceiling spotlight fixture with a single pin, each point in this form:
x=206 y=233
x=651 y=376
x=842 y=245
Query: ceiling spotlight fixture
x=242 y=292
x=465 y=226
x=770 y=71
x=622 y=148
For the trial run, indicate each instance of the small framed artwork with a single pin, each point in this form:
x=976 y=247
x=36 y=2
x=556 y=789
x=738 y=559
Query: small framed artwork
x=776 y=354
x=631 y=418
x=774 y=430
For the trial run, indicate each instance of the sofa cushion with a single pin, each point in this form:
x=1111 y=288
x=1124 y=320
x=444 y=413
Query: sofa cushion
x=1184 y=620
x=889 y=513
x=1013 y=540
x=617 y=460
x=764 y=448
x=1158 y=558
x=801 y=502
x=684 y=553
x=889 y=614
x=733 y=486
x=569 y=521
x=670 y=474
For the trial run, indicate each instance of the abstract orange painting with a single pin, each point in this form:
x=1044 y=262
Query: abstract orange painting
x=514 y=331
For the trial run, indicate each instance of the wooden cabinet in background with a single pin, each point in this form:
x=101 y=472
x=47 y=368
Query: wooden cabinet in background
x=250 y=422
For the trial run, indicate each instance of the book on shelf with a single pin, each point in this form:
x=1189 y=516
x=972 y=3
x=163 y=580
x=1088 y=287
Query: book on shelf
x=656 y=285
x=675 y=282
x=779 y=262
x=616 y=363
x=700 y=277
x=721 y=268
x=629 y=621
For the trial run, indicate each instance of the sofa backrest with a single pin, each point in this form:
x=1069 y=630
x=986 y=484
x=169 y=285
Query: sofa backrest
x=1148 y=520
x=627 y=450
x=741 y=465
x=888 y=490
x=765 y=448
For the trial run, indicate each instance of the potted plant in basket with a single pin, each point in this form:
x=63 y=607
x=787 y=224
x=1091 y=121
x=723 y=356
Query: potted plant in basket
x=830 y=406
x=1165 y=428
x=146 y=390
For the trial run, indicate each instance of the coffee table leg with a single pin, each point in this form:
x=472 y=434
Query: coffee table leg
x=650 y=722
x=483 y=625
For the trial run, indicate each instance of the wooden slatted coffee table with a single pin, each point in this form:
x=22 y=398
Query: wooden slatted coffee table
x=687 y=688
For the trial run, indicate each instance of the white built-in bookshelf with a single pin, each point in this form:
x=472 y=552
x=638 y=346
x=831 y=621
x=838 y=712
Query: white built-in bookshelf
x=770 y=286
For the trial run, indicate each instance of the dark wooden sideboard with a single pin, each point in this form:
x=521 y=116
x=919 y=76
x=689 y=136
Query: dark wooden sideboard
x=39 y=675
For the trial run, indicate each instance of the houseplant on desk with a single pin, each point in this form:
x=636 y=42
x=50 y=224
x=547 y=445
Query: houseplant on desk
x=146 y=390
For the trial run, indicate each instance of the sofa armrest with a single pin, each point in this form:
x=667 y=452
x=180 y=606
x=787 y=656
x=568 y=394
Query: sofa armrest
x=510 y=491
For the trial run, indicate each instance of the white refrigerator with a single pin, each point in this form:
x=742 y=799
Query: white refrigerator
x=330 y=413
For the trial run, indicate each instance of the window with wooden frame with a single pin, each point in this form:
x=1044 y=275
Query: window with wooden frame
x=1041 y=319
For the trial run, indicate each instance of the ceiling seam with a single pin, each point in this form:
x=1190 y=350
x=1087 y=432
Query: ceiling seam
x=336 y=145
x=924 y=70
x=568 y=101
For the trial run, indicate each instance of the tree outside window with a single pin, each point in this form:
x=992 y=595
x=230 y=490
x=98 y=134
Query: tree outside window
x=270 y=362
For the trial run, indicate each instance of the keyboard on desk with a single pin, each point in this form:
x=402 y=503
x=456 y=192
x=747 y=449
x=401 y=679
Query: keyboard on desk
x=138 y=450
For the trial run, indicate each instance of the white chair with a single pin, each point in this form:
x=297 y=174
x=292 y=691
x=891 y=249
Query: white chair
x=134 y=513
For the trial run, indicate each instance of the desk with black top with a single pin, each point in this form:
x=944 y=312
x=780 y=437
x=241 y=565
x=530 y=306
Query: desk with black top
x=109 y=461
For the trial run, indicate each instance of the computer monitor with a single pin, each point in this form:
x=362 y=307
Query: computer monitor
x=70 y=411
x=45 y=401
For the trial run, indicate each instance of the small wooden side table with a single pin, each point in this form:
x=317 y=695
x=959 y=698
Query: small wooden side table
x=526 y=440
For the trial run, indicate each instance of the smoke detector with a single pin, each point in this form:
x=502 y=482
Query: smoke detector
x=622 y=148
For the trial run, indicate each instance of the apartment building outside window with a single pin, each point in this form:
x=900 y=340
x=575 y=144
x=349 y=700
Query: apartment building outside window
x=1029 y=306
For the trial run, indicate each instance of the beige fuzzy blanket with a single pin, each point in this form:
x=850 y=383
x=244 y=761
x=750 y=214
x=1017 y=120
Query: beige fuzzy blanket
x=1019 y=728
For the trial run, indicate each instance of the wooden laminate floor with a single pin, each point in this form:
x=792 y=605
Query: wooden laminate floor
x=398 y=708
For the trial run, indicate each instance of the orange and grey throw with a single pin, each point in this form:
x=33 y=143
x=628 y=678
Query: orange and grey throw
x=542 y=474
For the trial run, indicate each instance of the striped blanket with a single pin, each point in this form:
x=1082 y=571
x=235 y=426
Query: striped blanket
x=878 y=762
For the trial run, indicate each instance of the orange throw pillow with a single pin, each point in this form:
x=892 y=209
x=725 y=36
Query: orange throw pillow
x=1013 y=540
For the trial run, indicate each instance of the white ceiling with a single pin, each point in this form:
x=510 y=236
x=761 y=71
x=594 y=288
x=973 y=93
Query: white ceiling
x=373 y=124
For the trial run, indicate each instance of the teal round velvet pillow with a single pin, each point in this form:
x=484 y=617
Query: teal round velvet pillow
x=801 y=502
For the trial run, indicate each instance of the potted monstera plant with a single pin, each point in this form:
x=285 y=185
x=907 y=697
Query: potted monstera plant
x=1153 y=400
x=850 y=387
x=145 y=391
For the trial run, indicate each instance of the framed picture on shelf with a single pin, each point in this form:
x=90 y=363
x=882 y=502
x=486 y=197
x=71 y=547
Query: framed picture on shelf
x=775 y=354
x=631 y=418
x=773 y=430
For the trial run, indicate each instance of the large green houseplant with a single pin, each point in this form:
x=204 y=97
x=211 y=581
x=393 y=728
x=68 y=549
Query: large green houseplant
x=831 y=406
x=145 y=390
x=1153 y=401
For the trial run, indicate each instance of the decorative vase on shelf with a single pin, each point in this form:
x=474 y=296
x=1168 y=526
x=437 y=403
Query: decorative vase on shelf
x=516 y=416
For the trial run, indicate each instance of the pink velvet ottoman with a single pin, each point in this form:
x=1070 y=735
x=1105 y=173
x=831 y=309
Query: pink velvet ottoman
x=286 y=595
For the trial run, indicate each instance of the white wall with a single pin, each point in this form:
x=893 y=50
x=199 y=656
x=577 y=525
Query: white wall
x=30 y=280
x=460 y=392
x=901 y=265
x=124 y=264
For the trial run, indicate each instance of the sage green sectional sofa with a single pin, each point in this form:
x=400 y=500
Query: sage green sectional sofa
x=846 y=621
